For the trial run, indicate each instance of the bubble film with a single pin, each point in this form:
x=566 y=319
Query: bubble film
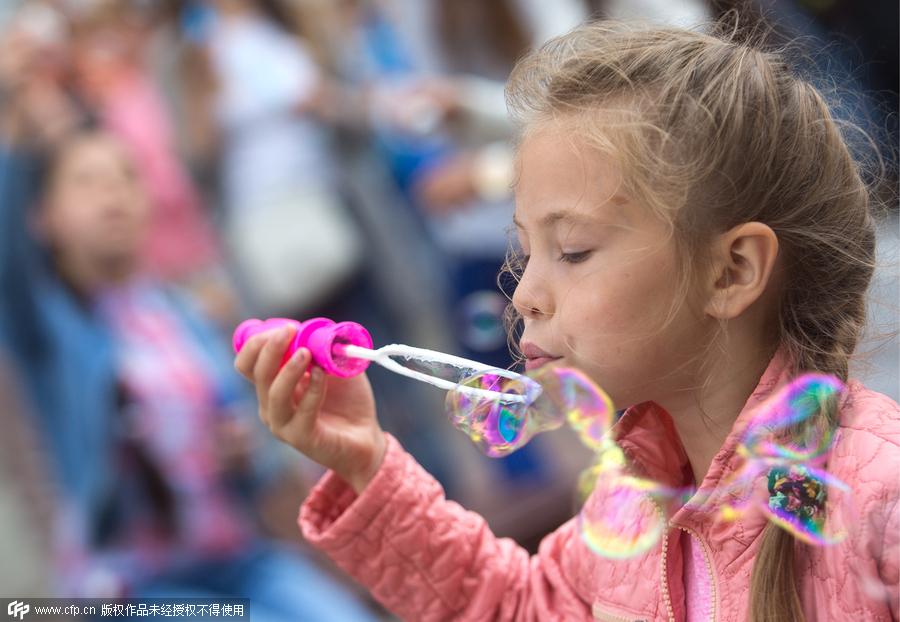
x=497 y=426
x=767 y=435
x=623 y=515
x=797 y=503
x=573 y=395
x=621 y=518
x=457 y=373
x=803 y=497
x=629 y=521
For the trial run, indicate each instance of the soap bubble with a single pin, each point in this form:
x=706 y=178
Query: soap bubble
x=499 y=425
x=803 y=498
x=623 y=516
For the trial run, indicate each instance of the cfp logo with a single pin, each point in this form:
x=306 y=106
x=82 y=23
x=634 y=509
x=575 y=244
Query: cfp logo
x=17 y=609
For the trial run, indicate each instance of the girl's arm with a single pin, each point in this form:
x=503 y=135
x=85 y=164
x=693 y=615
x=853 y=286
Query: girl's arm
x=19 y=255
x=385 y=521
x=426 y=558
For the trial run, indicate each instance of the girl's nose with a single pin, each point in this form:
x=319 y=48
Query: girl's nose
x=530 y=301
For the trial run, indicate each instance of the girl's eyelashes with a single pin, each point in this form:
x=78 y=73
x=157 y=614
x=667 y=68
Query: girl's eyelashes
x=564 y=257
x=575 y=257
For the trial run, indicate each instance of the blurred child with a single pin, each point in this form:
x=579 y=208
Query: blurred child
x=276 y=167
x=133 y=395
x=110 y=70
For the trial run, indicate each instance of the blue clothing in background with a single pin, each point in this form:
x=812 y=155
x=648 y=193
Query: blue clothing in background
x=67 y=352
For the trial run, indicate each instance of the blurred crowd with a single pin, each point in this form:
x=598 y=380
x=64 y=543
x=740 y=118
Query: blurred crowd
x=168 y=168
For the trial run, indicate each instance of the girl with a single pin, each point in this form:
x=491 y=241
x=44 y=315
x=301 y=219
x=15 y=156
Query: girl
x=695 y=234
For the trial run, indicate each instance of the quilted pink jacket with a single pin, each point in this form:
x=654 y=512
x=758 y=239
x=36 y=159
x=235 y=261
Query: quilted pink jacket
x=426 y=558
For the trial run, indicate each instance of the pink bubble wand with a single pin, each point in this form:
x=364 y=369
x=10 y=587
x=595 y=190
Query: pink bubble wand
x=345 y=349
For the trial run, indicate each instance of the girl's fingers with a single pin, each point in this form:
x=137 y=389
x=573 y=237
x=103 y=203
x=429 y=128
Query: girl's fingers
x=245 y=360
x=268 y=363
x=300 y=387
x=281 y=394
x=304 y=420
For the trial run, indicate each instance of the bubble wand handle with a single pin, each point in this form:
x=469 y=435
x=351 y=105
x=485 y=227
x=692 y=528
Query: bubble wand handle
x=319 y=335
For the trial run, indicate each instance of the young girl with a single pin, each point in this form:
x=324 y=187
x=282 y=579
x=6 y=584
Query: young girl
x=695 y=234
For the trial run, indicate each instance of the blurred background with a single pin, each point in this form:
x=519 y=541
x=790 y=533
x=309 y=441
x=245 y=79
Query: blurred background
x=169 y=168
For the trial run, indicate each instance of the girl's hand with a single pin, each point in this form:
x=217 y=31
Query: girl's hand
x=331 y=420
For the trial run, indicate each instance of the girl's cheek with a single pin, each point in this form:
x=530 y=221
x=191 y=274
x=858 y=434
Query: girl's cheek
x=606 y=309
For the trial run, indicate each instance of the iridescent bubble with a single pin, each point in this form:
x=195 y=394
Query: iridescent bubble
x=803 y=498
x=623 y=514
x=573 y=395
x=621 y=518
x=807 y=502
x=499 y=425
x=792 y=405
x=552 y=396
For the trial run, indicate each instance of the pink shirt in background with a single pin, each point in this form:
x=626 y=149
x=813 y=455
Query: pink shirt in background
x=181 y=241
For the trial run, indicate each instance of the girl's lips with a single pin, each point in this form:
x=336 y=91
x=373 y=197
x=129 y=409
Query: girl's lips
x=539 y=361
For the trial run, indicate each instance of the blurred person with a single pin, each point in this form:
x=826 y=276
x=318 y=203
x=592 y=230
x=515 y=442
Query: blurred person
x=133 y=394
x=474 y=66
x=275 y=162
x=111 y=74
x=33 y=68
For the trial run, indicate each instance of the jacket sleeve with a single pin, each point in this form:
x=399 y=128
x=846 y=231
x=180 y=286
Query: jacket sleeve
x=19 y=255
x=426 y=558
x=889 y=560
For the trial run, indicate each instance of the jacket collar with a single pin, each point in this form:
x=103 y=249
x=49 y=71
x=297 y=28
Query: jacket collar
x=647 y=435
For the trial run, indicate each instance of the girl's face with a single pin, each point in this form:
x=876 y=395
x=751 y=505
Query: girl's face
x=600 y=287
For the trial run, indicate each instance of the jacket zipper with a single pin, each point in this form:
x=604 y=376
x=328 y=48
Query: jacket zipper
x=665 y=578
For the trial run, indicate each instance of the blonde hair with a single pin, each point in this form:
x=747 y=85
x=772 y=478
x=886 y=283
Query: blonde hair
x=710 y=133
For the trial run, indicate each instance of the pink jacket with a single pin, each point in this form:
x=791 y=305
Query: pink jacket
x=426 y=558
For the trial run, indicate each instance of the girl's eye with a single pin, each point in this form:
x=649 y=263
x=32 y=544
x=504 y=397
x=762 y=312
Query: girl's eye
x=575 y=257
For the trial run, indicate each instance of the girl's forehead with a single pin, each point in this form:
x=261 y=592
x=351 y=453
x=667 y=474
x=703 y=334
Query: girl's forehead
x=561 y=179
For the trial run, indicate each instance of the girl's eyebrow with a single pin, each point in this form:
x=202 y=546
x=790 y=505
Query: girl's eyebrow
x=577 y=216
x=559 y=216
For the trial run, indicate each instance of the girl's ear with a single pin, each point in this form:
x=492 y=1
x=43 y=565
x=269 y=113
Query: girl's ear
x=743 y=262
